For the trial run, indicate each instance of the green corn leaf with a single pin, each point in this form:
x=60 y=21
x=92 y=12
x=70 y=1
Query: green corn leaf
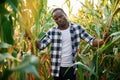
x=115 y=34
x=1 y=57
x=3 y=10
x=22 y=76
x=86 y=68
x=6 y=74
x=85 y=48
x=97 y=29
x=80 y=73
x=28 y=65
x=5 y=55
x=4 y=45
x=13 y=4
x=7 y=29
x=41 y=35
x=116 y=37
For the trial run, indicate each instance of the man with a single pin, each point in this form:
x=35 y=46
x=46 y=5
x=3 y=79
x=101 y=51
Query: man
x=64 y=39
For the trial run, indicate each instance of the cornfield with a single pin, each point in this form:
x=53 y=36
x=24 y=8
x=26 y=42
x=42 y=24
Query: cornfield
x=24 y=21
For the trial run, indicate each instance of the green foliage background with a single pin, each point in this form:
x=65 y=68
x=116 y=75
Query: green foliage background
x=24 y=21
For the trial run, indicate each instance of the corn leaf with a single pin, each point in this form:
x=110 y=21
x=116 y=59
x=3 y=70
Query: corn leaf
x=6 y=55
x=85 y=68
x=41 y=35
x=4 y=45
x=28 y=65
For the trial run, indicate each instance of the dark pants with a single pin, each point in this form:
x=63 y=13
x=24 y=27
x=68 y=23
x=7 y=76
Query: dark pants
x=66 y=73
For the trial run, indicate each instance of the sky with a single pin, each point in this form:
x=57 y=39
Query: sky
x=60 y=3
x=75 y=4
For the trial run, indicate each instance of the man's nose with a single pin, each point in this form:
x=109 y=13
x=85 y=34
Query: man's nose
x=59 y=19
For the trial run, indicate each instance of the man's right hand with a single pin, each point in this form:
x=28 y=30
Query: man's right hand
x=37 y=43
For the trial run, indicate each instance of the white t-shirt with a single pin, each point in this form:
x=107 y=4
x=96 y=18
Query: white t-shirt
x=66 y=57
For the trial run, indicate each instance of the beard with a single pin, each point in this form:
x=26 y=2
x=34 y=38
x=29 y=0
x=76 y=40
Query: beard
x=62 y=24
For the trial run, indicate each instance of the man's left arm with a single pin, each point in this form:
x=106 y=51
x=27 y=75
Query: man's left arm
x=90 y=39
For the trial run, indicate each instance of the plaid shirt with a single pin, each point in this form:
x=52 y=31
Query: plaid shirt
x=54 y=37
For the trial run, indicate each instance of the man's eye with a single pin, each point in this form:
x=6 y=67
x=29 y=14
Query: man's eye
x=60 y=16
x=56 y=19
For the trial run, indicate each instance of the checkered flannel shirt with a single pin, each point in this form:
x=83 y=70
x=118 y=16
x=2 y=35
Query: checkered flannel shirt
x=53 y=37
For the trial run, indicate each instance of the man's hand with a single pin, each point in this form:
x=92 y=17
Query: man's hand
x=97 y=42
x=37 y=43
x=105 y=36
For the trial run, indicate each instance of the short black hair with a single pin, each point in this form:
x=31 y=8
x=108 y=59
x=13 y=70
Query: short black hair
x=58 y=9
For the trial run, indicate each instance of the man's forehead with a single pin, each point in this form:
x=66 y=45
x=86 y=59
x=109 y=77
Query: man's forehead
x=59 y=12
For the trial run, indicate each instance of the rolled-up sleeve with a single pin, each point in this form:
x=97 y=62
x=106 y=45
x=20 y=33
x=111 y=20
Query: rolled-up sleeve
x=87 y=37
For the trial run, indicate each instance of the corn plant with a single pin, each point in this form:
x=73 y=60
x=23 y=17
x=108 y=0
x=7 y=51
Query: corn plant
x=24 y=21
x=12 y=67
x=35 y=19
x=97 y=20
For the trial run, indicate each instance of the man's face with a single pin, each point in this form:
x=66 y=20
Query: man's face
x=60 y=18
